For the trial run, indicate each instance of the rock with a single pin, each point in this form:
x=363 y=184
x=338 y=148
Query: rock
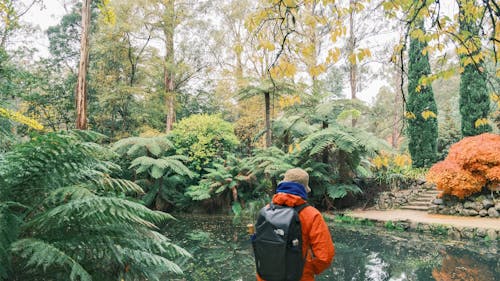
x=468 y=233
x=469 y=212
x=492 y=234
x=478 y=206
x=469 y=205
x=421 y=181
x=483 y=213
x=492 y=212
x=487 y=203
x=437 y=202
x=497 y=206
x=454 y=233
x=480 y=232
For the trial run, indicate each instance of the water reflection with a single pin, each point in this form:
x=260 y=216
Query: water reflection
x=223 y=252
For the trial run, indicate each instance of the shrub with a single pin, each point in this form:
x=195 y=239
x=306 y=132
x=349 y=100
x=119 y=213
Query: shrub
x=472 y=163
x=203 y=138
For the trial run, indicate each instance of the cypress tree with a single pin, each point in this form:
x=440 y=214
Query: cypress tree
x=421 y=107
x=474 y=99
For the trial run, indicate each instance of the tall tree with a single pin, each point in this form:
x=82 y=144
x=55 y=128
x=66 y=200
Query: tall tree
x=168 y=28
x=474 y=98
x=421 y=112
x=81 y=85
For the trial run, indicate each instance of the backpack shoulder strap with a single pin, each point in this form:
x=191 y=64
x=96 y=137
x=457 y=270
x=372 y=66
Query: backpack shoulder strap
x=301 y=207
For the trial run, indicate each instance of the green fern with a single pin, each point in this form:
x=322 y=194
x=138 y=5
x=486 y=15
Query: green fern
x=339 y=191
x=142 y=146
x=164 y=166
x=269 y=163
x=43 y=255
x=220 y=179
x=57 y=193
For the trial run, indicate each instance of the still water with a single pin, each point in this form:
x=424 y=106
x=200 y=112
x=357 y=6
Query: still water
x=222 y=251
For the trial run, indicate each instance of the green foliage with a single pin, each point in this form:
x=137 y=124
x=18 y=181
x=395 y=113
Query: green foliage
x=339 y=191
x=270 y=163
x=474 y=100
x=222 y=178
x=150 y=156
x=203 y=138
x=421 y=108
x=64 y=217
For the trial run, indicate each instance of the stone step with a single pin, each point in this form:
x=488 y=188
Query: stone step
x=430 y=198
x=413 y=207
x=417 y=203
x=422 y=199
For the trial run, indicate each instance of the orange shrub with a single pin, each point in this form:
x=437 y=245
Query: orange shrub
x=471 y=163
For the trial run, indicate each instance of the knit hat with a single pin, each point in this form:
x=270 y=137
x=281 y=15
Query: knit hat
x=299 y=176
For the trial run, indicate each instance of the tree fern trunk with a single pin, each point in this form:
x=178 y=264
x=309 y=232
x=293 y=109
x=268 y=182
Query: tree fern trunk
x=325 y=152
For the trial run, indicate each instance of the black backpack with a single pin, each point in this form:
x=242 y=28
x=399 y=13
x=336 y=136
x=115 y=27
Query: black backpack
x=277 y=243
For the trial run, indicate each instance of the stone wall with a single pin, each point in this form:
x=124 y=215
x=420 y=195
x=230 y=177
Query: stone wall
x=396 y=198
x=482 y=205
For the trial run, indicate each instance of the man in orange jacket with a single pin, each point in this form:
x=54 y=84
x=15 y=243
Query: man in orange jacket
x=317 y=244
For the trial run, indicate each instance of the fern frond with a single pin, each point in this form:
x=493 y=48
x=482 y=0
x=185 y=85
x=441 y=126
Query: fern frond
x=44 y=255
x=149 y=260
x=67 y=193
x=102 y=210
x=341 y=190
x=141 y=146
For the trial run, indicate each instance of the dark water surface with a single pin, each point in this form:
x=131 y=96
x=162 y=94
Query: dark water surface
x=222 y=251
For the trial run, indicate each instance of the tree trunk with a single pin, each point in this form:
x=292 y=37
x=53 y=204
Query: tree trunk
x=353 y=68
x=325 y=157
x=267 y=97
x=168 y=31
x=81 y=85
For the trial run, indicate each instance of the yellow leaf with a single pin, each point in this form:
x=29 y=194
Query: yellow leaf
x=410 y=115
x=266 y=45
x=426 y=114
x=481 y=122
x=333 y=55
x=308 y=51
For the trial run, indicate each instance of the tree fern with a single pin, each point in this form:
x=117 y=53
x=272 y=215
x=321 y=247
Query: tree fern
x=142 y=146
x=41 y=255
x=269 y=163
x=341 y=190
x=72 y=224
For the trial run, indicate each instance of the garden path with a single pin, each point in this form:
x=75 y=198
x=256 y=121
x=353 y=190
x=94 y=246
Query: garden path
x=424 y=217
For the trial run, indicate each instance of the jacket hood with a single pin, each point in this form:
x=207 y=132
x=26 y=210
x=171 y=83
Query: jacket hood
x=285 y=199
x=292 y=188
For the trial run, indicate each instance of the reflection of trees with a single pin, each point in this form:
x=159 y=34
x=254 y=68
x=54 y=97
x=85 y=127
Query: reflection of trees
x=361 y=255
x=462 y=269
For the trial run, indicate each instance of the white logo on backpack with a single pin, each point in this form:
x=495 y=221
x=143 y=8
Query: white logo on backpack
x=280 y=232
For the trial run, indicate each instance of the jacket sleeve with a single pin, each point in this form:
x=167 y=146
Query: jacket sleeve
x=322 y=246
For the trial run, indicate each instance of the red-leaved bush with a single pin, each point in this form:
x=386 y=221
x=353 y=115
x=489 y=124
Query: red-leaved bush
x=471 y=164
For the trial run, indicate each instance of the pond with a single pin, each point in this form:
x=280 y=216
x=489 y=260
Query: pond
x=222 y=251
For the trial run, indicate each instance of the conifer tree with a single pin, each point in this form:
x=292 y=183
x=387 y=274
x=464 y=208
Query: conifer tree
x=474 y=98
x=421 y=111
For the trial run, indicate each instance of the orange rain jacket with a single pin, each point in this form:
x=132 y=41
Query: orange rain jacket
x=317 y=242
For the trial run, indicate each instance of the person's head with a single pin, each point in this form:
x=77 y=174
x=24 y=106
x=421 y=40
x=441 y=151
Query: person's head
x=298 y=175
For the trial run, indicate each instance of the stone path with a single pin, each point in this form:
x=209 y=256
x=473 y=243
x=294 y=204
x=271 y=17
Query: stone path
x=424 y=217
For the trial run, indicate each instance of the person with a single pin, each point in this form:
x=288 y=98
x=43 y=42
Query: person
x=317 y=246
